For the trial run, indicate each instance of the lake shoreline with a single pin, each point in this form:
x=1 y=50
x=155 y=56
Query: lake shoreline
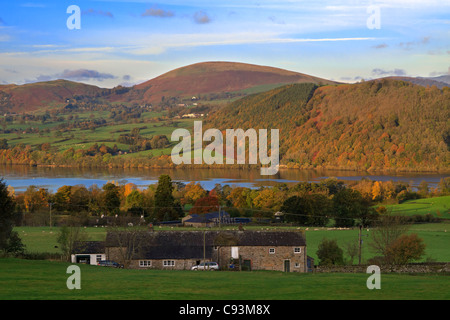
x=237 y=167
x=53 y=176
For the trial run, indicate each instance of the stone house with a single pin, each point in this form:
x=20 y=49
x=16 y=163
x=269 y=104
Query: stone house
x=180 y=250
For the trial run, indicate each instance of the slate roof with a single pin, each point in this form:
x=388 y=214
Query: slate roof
x=191 y=244
x=89 y=247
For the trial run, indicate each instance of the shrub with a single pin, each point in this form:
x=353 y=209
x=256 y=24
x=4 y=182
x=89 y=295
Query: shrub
x=329 y=253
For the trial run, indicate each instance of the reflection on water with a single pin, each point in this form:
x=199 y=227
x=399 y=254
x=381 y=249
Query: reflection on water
x=20 y=177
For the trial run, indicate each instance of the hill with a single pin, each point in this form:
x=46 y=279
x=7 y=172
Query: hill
x=214 y=80
x=32 y=96
x=375 y=125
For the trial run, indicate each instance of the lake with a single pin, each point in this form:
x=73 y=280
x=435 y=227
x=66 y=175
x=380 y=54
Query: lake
x=20 y=177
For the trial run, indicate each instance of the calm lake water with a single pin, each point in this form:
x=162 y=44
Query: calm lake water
x=20 y=177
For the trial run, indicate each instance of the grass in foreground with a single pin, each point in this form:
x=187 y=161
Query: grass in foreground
x=46 y=280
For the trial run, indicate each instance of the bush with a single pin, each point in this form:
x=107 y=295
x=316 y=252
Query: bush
x=329 y=253
x=405 y=249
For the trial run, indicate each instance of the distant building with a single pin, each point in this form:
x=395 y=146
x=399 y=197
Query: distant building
x=207 y=219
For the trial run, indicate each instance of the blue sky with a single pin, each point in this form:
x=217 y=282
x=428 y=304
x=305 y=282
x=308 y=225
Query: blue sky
x=128 y=42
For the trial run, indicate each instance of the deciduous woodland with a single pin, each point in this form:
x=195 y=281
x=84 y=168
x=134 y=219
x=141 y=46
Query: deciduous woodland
x=329 y=202
x=380 y=125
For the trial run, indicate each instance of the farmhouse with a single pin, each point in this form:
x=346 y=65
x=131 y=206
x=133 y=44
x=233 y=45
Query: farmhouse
x=181 y=250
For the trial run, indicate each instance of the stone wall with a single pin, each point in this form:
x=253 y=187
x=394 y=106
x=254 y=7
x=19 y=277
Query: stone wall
x=433 y=267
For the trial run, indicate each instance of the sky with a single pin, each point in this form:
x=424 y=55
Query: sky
x=119 y=42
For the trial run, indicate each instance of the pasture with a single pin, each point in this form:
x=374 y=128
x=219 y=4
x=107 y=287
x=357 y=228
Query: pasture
x=46 y=280
x=436 y=206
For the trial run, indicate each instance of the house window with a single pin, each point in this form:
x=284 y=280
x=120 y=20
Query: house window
x=145 y=263
x=272 y=250
x=98 y=257
x=169 y=263
x=297 y=265
x=297 y=250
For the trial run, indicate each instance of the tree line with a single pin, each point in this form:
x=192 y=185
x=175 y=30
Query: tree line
x=306 y=203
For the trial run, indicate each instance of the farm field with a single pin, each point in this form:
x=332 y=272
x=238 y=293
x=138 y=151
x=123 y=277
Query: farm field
x=46 y=280
x=436 y=237
x=151 y=123
x=436 y=206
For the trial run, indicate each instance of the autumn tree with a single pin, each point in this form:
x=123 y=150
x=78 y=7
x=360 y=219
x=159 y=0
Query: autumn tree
x=79 y=198
x=35 y=199
x=405 y=249
x=205 y=205
x=193 y=192
x=134 y=202
x=61 y=199
x=386 y=231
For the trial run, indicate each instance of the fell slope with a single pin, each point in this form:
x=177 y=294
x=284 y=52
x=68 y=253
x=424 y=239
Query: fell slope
x=215 y=78
x=375 y=125
x=32 y=96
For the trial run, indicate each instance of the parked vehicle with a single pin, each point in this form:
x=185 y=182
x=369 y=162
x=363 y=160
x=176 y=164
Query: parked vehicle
x=109 y=263
x=206 y=266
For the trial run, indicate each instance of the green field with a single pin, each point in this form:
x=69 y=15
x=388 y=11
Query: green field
x=83 y=139
x=435 y=235
x=46 y=280
x=436 y=206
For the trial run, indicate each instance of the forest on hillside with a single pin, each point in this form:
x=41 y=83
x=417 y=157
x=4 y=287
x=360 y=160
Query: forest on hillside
x=373 y=125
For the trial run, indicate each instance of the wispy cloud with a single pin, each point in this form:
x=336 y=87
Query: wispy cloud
x=97 y=13
x=380 y=46
x=201 y=17
x=154 y=12
x=77 y=75
x=163 y=42
x=414 y=44
x=33 y=5
x=381 y=73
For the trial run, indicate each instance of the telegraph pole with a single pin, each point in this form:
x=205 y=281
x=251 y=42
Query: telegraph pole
x=50 y=205
x=360 y=227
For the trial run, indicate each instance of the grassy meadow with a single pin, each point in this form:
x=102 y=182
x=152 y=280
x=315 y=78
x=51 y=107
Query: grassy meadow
x=436 y=206
x=78 y=138
x=46 y=280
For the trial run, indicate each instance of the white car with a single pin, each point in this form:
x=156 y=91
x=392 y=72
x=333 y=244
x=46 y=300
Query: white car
x=206 y=266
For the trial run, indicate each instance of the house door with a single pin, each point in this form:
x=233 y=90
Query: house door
x=287 y=265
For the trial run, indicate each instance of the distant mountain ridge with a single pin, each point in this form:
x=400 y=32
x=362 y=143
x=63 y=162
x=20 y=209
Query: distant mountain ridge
x=214 y=78
x=205 y=78
x=32 y=96
x=440 y=82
